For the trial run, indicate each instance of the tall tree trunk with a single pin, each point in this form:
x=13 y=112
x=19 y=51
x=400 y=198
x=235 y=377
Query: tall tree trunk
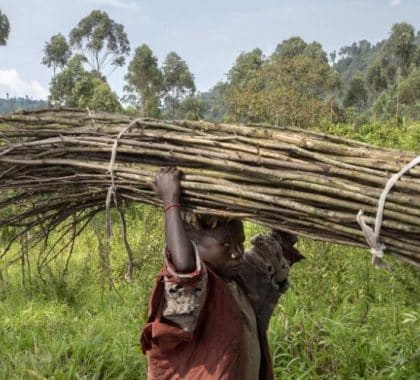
x=397 y=115
x=173 y=106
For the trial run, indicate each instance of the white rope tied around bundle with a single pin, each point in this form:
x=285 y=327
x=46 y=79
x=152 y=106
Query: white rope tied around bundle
x=372 y=236
x=112 y=195
x=112 y=190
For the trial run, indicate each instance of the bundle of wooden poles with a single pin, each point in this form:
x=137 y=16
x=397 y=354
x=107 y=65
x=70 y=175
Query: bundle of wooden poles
x=66 y=163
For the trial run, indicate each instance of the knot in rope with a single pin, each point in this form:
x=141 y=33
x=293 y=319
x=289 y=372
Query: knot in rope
x=372 y=236
x=378 y=251
x=376 y=247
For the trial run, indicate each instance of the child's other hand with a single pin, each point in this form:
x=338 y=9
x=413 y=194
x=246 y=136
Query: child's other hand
x=287 y=241
x=167 y=185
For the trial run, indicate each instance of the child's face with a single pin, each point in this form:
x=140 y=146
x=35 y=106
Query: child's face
x=222 y=247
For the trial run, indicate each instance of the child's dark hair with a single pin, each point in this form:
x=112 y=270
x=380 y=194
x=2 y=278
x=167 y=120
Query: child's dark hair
x=195 y=222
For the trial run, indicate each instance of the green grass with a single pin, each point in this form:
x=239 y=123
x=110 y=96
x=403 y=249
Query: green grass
x=404 y=137
x=77 y=327
x=44 y=336
x=345 y=319
x=341 y=318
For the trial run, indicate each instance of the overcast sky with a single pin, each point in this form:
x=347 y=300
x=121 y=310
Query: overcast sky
x=208 y=34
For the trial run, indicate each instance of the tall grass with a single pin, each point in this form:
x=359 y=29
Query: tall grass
x=341 y=319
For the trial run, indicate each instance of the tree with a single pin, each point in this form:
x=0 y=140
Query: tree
x=191 y=108
x=62 y=85
x=290 y=48
x=376 y=78
x=389 y=68
x=333 y=85
x=382 y=108
x=384 y=68
x=333 y=56
x=177 y=80
x=101 y=41
x=56 y=52
x=145 y=81
x=300 y=90
x=96 y=94
x=294 y=86
x=296 y=46
x=355 y=58
x=245 y=83
x=245 y=69
x=409 y=93
x=314 y=50
x=76 y=87
x=214 y=103
x=416 y=58
x=401 y=45
x=4 y=29
x=356 y=95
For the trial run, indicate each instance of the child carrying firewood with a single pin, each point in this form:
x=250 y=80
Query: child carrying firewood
x=211 y=305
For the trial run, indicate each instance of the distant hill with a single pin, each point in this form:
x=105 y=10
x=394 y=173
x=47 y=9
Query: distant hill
x=357 y=58
x=11 y=105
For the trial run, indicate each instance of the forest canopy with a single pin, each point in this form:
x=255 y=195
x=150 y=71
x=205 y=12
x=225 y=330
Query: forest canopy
x=297 y=84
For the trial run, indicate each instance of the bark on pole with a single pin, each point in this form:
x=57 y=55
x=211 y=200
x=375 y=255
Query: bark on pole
x=55 y=164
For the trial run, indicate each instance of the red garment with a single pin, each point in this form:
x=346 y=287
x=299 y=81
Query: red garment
x=214 y=351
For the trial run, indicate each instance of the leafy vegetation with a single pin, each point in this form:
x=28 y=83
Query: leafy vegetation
x=56 y=52
x=296 y=85
x=145 y=82
x=177 y=81
x=101 y=41
x=10 y=105
x=291 y=87
x=77 y=87
x=341 y=318
x=4 y=29
x=373 y=75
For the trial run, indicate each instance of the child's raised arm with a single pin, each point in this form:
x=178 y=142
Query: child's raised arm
x=167 y=186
